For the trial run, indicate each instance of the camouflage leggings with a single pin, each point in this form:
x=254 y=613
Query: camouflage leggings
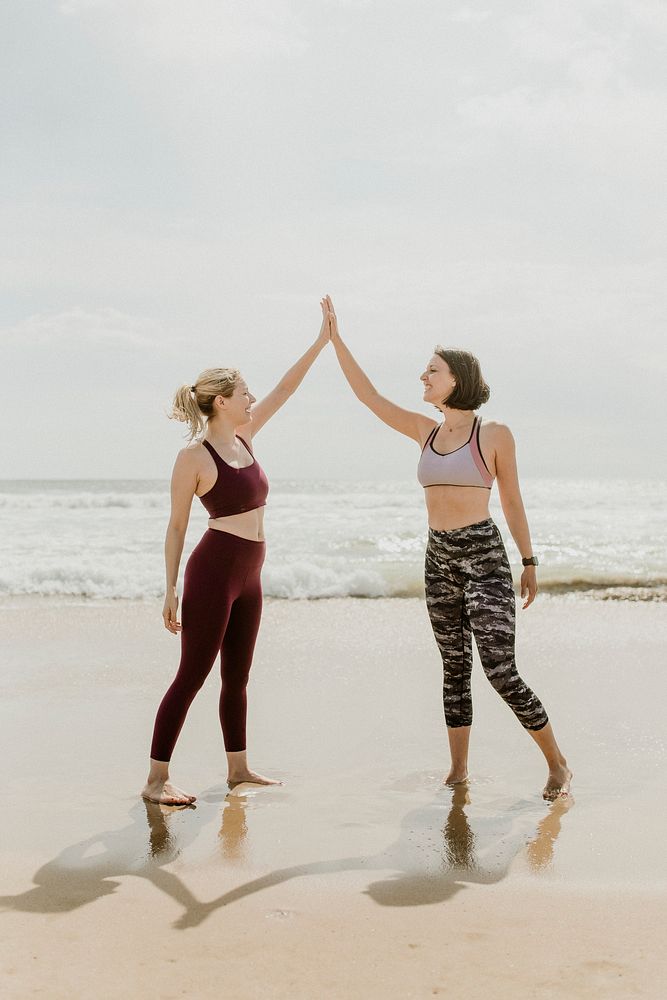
x=469 y=592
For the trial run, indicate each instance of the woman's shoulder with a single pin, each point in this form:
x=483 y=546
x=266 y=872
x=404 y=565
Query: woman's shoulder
x=189 y=467
x=495 y=426
x=192 y=454
x=496 y=432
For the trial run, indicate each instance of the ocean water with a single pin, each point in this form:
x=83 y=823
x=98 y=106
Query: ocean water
x=104 y=538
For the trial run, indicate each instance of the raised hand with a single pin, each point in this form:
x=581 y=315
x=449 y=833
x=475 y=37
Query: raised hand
x=332 y=318
x=324 y=336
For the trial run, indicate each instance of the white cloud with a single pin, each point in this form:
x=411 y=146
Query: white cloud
x=470 y=15
x=554 y=33
x=583 y=125
x=85 y=328
x=171 y=31
x=73 y=7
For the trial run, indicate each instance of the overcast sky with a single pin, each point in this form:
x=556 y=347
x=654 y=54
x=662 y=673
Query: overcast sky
x=182 y=181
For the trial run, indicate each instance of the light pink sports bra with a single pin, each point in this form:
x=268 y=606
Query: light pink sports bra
x=464 y=466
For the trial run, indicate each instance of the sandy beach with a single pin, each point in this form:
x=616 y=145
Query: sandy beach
x=361 y=876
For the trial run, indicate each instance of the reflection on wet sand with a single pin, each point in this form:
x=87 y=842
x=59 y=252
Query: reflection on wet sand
x=435 y=854
x=234 y=828
x=459 y=843
x=163 y=846
x=540 y=850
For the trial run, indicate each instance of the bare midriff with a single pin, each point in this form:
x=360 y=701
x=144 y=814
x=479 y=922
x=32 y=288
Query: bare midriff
x=451 y=507
x=249 y=524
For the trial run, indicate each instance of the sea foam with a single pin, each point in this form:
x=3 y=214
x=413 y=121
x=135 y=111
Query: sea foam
x=104 y=539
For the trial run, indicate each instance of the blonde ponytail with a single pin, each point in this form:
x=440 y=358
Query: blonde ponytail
x=193 y=404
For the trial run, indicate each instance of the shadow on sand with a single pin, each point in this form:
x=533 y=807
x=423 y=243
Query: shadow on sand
x=435 y=855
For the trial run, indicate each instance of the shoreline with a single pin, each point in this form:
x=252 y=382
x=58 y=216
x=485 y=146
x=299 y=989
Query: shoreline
x=655 y=593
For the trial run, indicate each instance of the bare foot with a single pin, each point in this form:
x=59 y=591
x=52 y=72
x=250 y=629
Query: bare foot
x=166 y=794
x=558 y=783
x=455 y=777
x=255 y=779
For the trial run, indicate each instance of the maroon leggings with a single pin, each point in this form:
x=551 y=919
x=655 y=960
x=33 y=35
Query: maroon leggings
x=220 y=613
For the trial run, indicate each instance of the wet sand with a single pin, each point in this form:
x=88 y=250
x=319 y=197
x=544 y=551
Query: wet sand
x=361 y=876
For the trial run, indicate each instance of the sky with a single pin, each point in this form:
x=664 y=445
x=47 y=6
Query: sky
x=180 y=183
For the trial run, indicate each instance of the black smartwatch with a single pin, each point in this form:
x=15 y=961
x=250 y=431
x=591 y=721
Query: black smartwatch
x=530 y=562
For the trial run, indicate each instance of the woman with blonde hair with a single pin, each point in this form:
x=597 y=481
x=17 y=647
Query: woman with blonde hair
x=222 y=595
x=469 y=588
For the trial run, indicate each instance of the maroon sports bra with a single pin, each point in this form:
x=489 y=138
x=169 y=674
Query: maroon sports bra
x=235 y=490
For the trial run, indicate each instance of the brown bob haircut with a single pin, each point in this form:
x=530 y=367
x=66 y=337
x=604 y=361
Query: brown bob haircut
x=470 y=390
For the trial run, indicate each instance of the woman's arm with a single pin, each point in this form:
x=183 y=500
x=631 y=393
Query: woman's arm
x=510 y=499
x=289 y=383
x=184 y=481
x=413 y=425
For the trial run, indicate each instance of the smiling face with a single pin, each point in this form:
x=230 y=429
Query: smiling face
x=238 y=405
x=439 y=383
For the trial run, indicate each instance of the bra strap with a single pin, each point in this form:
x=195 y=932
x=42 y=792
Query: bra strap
x=211 y=450
x=245 y=445
x=432 y=435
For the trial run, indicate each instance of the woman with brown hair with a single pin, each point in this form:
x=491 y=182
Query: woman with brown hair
x=222 y=596
x=469 y=588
